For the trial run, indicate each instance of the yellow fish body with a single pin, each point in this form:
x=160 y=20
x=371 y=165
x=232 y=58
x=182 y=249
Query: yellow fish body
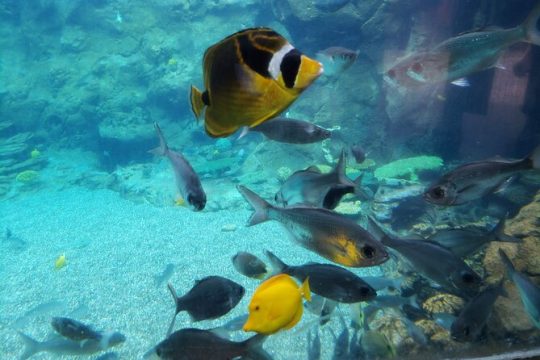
x=276 y=305
x=60 y=262
x=249 y=77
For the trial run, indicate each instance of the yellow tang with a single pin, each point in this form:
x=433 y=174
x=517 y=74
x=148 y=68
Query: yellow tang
x=276 y=305
x=250 y=76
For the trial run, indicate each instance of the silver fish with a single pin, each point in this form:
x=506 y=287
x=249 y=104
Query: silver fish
x=324 y=232
x=249 y=265
x=336 y=59
x=311 y=187
x=290 y=131
x=528 y=291
x=187 y=181
x=474 y=180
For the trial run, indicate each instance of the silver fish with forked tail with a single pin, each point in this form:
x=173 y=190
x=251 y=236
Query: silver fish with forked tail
x=324 y=232
x=187 y=180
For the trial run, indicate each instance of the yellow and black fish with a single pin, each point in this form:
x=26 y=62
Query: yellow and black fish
x=250 y=76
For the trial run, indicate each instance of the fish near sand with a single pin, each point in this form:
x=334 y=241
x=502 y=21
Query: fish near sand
x=477 y=179
x=327 y=280
x=187 y=180
x=462 y=55
x=198 y=344
x=290 y=131
x=74 y=330
x=529 y=292
x=324 y=232
x=249 y=265
x=210 y=298
x=276 y=305
x=249 y=77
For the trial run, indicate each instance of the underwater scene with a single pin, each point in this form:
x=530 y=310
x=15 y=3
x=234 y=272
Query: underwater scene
x=272 y=179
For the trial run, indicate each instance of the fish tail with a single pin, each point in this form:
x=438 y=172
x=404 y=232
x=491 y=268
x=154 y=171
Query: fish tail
x=244 y=132
x=506 y=261
x=163 y=147
x=364 y=193
x=340 y=170
x=278 y=266
x=260 y=206
x=305 y=289
x=197 y=102
x=532 y=33
x=177 y=306
x=498 y=233
x=31 y=346
x=254 y=347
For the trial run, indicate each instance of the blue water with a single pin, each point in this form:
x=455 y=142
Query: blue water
x=81 y=83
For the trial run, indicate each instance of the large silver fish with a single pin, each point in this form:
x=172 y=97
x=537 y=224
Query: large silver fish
x=187 y=180
x=324 y=232
x=462 y=55
x=474 y=180
x=528 y=291
x=290 y=131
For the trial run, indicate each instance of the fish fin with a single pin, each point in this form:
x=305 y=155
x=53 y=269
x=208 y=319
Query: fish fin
x=532 y=33
x=376 y=230
x=254 y=348
x=244 y=132
x=534 y=157
x=260 y=206
x=364 y=193
x=176 y=303
x=313 y=168
x=305 y=290
x=507 y=263
x=197 y=102
x=340 y=170
x=462 y=82
x=500 y=65
x=31 y=346
x=278 y=266
x=498 y=233
x=503 y=185
x=163 y=147
x=296 y=318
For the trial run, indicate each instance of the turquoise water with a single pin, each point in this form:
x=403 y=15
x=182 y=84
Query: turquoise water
x=82 y=82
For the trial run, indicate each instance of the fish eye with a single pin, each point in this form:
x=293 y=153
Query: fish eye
x=364 y=291
x=417 y=67
x=437 y=193
x=467 y=278
x=257 y=308
x=392 y=73
x=369 y=251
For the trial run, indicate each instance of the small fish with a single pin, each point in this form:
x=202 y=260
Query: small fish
x=74 y=330
x=383 y=282
x=249 y=265
x=414 y=331
x=321 y=307
x=358 y=153
x=187 y=180
x=250 y=76
x=310 y=187
x=276 y=305
x=314 y=345
x=434 y=262
x=462 y=55
x=324 y=232
x=341 y=342
x=529 y=292
x=336 y=59
x=464 y=242
x=327 y=280
x=210 y=298
x=60 y=262
x=376 y=345
x=204 y=344
x=164 y=276
x=290 y=131
x=63 y=346
x=471 y=321
x=47 y=308
x=477 y=179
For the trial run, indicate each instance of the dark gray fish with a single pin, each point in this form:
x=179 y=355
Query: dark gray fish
x=314 y=345
x=324 y=232
x=74 y=330
x=290 y=131
x=330 y=5
x=321 y=307
x=394 y=301
x=64 y=346
x=210 y=298
x=249 y=265
x=435 y=262
x=187 y=181
x=336 y=59
x=464 y=242
x=477 y=179
x=529 y=292
x=471 y=321
x=327 y=280
x=165 y=275
x=358 y=153
x=310 y=187
x=197 y=344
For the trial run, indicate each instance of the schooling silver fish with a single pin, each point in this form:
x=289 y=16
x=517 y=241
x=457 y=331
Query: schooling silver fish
x=290 y=131
x=462 y=55
x=187 y=181
x=324 y=232
x=477 y=179
x=528 y=291
x=313 y=188
x=472 y=319
x=464 y=242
